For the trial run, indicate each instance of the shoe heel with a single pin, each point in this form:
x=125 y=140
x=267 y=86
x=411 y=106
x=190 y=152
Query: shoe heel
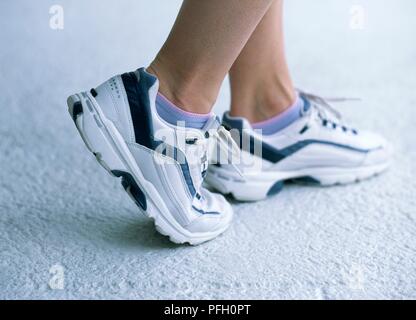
x=93 y=132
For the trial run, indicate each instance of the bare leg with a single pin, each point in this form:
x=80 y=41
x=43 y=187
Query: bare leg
x=205 y=41
x=261 y=85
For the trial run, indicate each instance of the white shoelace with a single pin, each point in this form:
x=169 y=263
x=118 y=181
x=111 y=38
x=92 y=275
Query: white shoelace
x=224 y=140
x=323 y=106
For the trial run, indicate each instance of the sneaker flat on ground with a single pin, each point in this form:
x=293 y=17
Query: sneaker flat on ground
x=120 y=126
x=316 y=148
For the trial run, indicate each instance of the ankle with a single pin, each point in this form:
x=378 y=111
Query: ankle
x=181 y=89
x=263 y=101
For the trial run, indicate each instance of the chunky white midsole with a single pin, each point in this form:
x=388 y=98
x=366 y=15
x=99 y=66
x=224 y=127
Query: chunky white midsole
x=105 y=141
x=257 y=186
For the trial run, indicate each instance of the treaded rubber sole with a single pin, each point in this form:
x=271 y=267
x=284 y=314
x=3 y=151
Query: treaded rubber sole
x=95 y=132
x=255 y=188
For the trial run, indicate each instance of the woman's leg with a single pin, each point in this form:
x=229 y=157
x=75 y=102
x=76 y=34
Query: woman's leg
x=205 y=41
x=261 y=86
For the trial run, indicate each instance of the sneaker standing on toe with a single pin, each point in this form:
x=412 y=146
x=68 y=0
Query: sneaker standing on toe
x=127 y=125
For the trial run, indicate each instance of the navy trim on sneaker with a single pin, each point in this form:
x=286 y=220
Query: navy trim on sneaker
x=137 y=91
x=139 y=101
x=272 y=154
x=204 y=212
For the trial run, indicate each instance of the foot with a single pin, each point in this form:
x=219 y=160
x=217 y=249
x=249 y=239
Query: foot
x=119 y=124
x=316 y=148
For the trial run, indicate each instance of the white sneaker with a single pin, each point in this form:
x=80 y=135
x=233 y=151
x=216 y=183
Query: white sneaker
x=316 y=148
x=162 y=166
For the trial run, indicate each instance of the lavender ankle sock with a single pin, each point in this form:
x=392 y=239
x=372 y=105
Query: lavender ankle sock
x=173 y=114
x=282 y=120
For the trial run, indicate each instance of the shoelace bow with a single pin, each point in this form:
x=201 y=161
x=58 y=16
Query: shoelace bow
x=224 y=140
x=323 y=106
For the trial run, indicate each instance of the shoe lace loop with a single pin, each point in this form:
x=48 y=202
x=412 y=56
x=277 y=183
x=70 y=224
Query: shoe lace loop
x=326 y=112
x=223 y=139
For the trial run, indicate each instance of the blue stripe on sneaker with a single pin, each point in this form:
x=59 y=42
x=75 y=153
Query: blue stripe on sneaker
x=275 y=155
x=139 y=101
x=179 y=156
x=137 y=91
x=269 y=152
x=204 y=212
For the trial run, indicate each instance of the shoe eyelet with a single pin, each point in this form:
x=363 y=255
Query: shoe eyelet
x=191 y=140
